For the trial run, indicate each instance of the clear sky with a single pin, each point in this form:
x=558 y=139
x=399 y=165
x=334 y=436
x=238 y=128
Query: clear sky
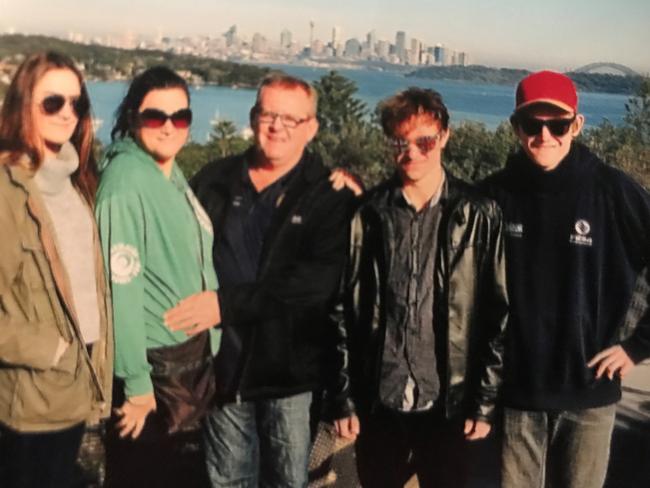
x=558 y=34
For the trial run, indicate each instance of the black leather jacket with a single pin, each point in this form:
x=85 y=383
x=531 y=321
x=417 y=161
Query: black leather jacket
x=470 y=314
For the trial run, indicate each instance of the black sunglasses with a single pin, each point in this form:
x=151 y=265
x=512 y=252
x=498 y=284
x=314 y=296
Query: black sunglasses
x=152 y=118
x=52 y=104
x=532 y=126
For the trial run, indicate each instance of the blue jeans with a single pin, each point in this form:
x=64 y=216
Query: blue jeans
x=559 y=449
x=261 y=443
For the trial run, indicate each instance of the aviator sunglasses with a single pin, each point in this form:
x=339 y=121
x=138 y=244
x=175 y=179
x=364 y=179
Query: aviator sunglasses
x=425 y=144
x=532 y=126
x=52 y=104
x=152 y=118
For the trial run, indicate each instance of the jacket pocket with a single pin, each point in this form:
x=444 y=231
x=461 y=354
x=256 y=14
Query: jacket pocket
x=61 y=395
x=37 y=294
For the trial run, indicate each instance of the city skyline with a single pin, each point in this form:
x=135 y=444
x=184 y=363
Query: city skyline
x=551 y=34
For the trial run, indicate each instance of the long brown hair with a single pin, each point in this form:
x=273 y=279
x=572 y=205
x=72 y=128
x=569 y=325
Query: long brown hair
x=17 y=132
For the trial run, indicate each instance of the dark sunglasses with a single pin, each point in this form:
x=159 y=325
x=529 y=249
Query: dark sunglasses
x=52 y=104
x=532 y=126
x=152 y=118
x=425 y=144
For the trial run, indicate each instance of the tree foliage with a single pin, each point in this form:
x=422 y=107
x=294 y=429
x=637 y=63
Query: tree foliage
x=473 y=152
x=347 y=138
x=224 y=141
x=627 y=146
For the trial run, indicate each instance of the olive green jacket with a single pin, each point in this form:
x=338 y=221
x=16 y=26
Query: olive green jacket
x=36 y=309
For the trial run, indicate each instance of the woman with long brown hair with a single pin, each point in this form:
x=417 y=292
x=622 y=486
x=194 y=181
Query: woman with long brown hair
x=55 y=331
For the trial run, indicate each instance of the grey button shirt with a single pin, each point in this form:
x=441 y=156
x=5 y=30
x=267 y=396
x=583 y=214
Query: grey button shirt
x=409 y=376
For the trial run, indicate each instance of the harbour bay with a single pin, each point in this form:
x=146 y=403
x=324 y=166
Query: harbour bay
x=488 y=104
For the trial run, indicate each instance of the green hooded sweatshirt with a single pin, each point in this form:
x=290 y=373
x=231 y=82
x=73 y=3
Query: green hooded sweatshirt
x=157 y=243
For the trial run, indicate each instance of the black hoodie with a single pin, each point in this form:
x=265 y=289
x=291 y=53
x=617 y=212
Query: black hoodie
x=577 y=249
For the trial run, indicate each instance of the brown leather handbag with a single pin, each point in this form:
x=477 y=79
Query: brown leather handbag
x=184 y=382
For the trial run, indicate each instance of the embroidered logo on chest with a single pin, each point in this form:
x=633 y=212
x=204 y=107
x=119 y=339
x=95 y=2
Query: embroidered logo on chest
x=581 y=236
x=514 y=229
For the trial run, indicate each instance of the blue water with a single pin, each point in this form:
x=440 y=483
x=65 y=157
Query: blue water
x=489 y=104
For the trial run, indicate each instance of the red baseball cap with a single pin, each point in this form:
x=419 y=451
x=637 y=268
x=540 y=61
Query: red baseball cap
x=547 y=87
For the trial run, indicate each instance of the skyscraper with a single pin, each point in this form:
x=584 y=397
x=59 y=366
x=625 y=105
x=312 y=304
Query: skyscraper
x=285 y=38
x=440 y=55
x=383 y=49
x=337 y=36
x=371 y=41
x=400 y=45
x=416 y=52
x=259 y=43
x=352 y=48
x=231 y=36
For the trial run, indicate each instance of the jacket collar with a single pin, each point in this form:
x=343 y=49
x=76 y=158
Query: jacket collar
x=21 y=173
x=570 y=173
x=312 y=169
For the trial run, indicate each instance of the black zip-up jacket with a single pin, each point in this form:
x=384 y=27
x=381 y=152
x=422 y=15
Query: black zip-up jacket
x=471 y=305
x=281 y=319
x=577 y=251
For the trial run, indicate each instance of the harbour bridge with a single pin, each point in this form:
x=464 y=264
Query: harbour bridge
x=593 y=67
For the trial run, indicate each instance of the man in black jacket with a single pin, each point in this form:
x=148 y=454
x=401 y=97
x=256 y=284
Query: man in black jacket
x=577 y=250
x=280 y=242
x=423 y=313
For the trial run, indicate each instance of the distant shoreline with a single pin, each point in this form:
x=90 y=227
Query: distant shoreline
x=102 y=63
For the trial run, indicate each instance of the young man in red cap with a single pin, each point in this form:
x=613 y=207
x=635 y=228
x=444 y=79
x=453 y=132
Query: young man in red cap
x=577 y=247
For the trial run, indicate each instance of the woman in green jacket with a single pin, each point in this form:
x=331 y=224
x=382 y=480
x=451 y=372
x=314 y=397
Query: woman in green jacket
x=55 y=332
x=158 y=246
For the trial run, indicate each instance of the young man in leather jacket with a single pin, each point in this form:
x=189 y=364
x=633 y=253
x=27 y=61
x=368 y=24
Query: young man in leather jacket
x=423 y=310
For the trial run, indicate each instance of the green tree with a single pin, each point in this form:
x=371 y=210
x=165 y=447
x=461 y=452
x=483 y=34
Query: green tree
x=474 y=152
x=224 y=133
x=193 y=157
x=347 y=138
x=222 y=142
x=337 y=105
x=637 y=117
x=627 y=146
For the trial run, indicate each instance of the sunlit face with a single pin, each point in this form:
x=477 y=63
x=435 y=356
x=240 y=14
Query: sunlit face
x=546 y=149
x=422 y=139
x=55 y=128
x=278 y=144
x=163 y=143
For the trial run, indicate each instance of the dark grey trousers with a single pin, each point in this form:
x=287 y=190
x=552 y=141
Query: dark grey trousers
x=559 y=449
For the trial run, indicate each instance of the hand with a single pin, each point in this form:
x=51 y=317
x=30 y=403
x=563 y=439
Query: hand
x=134 y=413
x=341 y=178
x=195 y=313
x=348 y=427
x=611 y=361
x=476 y=429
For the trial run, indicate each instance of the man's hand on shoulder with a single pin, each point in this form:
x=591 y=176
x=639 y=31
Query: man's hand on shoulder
x=342 y=178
